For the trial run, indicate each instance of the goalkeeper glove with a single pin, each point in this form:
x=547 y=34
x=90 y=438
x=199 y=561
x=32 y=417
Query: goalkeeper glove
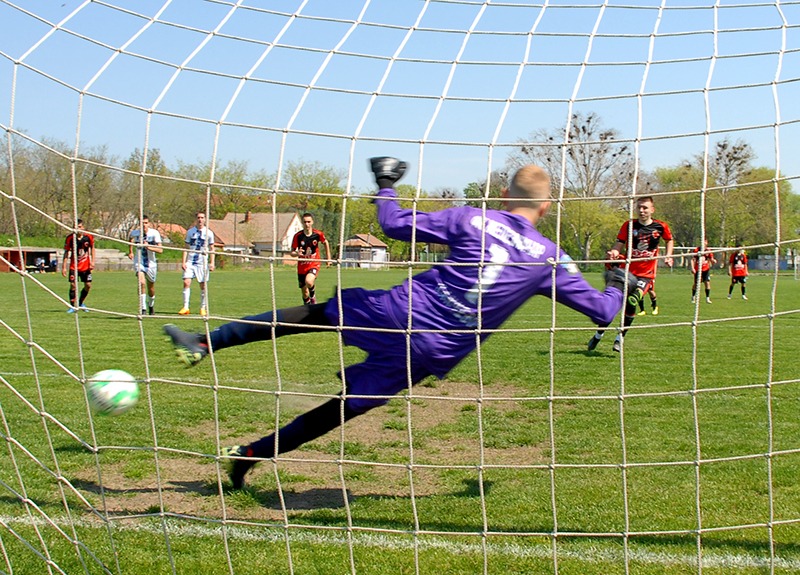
x=387 y=170
x=618 y=278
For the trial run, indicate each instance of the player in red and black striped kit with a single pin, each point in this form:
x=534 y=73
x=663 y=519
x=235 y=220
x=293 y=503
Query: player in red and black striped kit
x=701 y=266
x=305 y=247
x=647 y=234
x=737 y=269
x=79 y=259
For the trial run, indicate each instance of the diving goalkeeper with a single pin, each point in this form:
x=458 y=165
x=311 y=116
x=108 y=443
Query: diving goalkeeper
x=497 y=261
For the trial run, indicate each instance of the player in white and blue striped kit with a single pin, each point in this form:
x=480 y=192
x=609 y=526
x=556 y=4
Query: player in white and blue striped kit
x=497 y=261
x=198 y=262
x=143 y=254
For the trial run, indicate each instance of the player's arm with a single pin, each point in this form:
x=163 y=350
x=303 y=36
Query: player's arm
x=400 y=223
x=91 y=253
x=615 y=251
x=187 y=246
x=66 y=259
x=328 y=252
x=212 y=255
x=574 y=291
x=132 y=239
x=668 y=261
x=157 y=247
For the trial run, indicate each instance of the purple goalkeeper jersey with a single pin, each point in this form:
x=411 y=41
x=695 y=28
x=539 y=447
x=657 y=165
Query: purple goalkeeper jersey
x=497 y=261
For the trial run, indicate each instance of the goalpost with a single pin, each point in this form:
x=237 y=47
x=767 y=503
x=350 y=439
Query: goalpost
x=678 y=455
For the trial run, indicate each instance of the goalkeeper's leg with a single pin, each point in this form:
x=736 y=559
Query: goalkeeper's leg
x=636 y=291
x=191 y=348
x=260 y=327
x=304 y=428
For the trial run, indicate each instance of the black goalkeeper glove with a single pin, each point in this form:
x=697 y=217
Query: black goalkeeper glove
x=387 y=170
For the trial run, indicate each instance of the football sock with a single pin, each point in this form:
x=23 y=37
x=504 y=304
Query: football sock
x=312 y=292
x=599 y=333
x=72 y=296
x=84 y=294
x=302 y=429
x=626 y=322
x=259 y=327
x=708 y=293
x=186 y=293
x=654 y=303
x=151 y=301
x=142 y=299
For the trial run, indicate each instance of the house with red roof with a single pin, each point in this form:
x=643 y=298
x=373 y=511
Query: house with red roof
x=256 y=233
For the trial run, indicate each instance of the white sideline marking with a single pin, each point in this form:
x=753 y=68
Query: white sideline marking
x=594 y=554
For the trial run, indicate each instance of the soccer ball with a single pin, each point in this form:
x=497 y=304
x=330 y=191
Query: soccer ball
x=112 y=391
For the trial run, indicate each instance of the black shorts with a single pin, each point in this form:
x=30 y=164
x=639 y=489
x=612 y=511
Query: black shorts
x=85 y=277
x=301 y=278
x=738 y=280
x=704 y=276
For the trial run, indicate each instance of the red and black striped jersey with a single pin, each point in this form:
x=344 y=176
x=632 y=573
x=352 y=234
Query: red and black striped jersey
x=80 y=255
x=308 y=249
x=645 y=245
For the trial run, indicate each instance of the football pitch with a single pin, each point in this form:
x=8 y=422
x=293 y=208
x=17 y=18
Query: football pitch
x=680 y=455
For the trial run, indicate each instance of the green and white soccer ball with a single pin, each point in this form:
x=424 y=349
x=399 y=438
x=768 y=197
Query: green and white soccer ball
x=112 y=391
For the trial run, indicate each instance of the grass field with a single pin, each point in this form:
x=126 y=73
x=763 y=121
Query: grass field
x=681 y=455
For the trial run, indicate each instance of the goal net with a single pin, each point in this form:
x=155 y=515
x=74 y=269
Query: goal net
x=678 y=454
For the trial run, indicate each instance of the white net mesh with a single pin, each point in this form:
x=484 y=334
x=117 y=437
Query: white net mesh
x=679 y=455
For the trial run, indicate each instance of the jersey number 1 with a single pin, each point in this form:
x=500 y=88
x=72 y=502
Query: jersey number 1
x=498 y=256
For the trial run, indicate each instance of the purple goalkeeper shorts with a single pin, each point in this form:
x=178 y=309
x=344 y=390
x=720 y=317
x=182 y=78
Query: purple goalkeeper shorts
x=387 y=370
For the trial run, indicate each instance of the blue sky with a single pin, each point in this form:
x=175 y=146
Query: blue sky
x=338 y=81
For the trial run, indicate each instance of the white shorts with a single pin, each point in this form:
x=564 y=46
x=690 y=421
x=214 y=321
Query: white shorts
x=150 y=272
x=199 y=272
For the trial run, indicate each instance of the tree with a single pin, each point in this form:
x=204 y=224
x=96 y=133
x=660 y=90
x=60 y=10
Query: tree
x=591 y=159
x=476 y=193
x=318 y=189
x=147 y=183
x=680 y=204
x=304 y=185
x=727 y=166
x=753 y=209
x=46 y=184
x=589 y=166
x=741 y=200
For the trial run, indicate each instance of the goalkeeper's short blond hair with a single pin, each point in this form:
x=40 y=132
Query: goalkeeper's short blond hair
x=529 y=187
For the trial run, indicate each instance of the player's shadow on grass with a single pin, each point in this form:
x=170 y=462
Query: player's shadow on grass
x=329 y=498
x=72 y=448
x=194 y=487
x=310 y=499
x=582 y=351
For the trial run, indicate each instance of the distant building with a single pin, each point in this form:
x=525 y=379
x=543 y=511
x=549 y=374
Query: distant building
x=166 y=229
x=365 y=251
x=32 y=259
x=256 y=234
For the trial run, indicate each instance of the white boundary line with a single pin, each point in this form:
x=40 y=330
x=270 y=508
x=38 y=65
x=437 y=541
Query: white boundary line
x=278 y=534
